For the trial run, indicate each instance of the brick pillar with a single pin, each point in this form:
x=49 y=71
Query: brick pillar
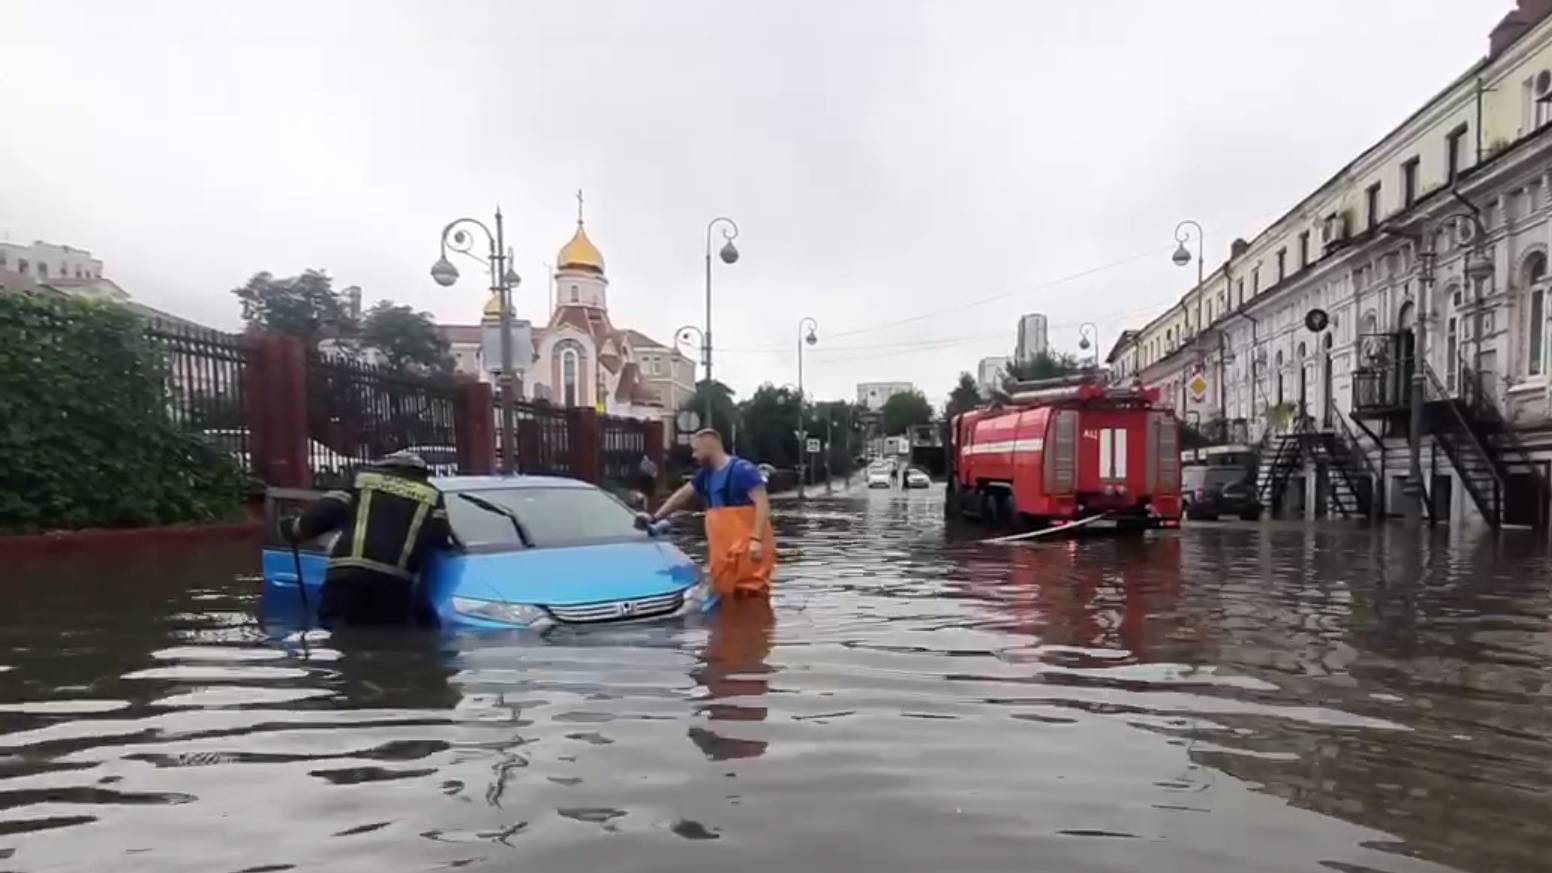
x=275 y=395
x=585 y=461
x=657 y=450
x=476 y=429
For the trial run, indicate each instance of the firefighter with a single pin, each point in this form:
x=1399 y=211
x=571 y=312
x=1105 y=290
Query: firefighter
x=389 y=519
x=740 y=544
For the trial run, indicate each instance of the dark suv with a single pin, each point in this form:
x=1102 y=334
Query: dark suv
x=1213 y=491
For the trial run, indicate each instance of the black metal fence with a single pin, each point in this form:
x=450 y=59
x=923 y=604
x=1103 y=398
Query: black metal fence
x=622 y=444
x=207 y=372
x=544 y=442
x=357 y=413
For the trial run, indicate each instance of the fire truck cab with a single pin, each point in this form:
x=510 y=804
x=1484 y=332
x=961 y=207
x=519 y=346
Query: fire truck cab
x=1058 y=450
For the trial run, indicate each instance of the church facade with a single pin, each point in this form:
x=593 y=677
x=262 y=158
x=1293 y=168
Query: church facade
x=581 y=358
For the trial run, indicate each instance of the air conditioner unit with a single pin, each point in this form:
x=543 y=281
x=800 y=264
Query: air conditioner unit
x=1543 y=85
x=1334 y=229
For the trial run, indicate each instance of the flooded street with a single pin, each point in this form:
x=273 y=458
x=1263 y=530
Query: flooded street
x=1226 y=698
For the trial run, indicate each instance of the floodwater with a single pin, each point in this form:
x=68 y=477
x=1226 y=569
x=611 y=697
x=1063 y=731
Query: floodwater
x=1227 y=698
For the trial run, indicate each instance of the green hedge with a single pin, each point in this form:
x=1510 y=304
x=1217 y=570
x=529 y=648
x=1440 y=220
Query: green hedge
x=86 y=435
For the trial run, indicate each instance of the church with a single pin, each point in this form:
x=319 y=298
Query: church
x=580 y=357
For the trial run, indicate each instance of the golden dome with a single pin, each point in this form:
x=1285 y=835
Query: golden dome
x=492 y=308
x=580 y=254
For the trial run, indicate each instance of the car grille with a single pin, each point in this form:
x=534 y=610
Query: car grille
x=619 y=610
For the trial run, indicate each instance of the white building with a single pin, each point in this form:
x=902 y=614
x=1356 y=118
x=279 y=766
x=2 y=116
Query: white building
x=873 y=395
x=579 y=357
x=989 y=373
x=1033 y=340
x=1466 y=181
x=47 y=262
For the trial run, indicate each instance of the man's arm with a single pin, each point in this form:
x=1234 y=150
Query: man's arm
x=675 y=501
x=754 y=484
x=328 y=513
x=441 y=531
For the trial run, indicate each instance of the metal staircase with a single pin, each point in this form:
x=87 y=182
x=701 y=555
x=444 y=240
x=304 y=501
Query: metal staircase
x=1349 y=479
x=1479 y=469
x=1512 y=460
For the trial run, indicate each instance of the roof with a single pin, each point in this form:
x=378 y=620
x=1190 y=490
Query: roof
x=579 y=253
x=455 y=484
x=632 y=390
x=639 y=340
x=460 y=333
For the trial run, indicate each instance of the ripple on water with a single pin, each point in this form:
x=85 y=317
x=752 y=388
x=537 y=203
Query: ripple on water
x=1230 y=698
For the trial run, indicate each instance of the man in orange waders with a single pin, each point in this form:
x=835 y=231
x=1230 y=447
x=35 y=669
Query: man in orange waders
x=741 y=547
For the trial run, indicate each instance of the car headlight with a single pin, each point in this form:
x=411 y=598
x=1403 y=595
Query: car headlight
x=515 y=614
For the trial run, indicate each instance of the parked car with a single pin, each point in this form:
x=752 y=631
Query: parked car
x=443 y=460
x=1210 y=492
x=536 y=553
x=915 y=478
x=325 y=462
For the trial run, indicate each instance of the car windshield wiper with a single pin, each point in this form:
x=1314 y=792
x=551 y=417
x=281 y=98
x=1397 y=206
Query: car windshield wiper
x=517 y=523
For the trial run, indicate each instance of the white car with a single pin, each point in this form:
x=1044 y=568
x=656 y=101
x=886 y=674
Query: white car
x=878 y=478
x=917 y=479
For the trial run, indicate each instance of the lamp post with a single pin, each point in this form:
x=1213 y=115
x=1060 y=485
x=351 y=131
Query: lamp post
x=1088 y=337
x=1182 y=256
x=807 y=334
x=729 y=255
x=503 y=279
x=683 y=335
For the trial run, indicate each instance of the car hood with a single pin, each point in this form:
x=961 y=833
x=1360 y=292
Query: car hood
x=567 y=576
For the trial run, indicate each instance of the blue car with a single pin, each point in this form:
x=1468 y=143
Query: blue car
x=537 y=553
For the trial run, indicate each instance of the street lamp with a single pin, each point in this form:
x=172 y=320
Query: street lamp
x=1088 y=337
x=729 y=255
x=683 y=335
x=1182 y=256
x=808 y=334
x=458 y=238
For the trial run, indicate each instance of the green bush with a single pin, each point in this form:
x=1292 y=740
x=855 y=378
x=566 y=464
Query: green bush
x=86 y=436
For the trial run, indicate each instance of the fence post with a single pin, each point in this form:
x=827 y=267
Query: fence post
x=475 y=428
x=275 y=394
x=657 y=450
x=586 y=461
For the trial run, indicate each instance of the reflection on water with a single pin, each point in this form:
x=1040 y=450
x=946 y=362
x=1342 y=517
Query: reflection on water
x=1228 y=698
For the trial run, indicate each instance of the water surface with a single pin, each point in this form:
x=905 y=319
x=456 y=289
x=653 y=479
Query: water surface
x=1228 y=698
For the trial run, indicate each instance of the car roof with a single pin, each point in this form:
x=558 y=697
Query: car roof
x=454 y=484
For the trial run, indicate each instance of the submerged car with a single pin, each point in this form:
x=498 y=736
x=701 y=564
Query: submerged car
x=879 y=478
x=915 y=478
x=535 y=553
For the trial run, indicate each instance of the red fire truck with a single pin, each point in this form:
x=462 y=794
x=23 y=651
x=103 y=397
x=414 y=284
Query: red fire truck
x=1054 y=451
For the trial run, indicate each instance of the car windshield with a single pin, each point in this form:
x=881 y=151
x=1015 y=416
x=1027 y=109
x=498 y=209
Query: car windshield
x=1218 y=477
x=1193 y=478
x=549 y=517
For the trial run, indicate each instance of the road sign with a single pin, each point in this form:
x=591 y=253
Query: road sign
x=688 y=421
x=684 y=438
x=1198 y=387
x=1316 y=320
x=813 y=447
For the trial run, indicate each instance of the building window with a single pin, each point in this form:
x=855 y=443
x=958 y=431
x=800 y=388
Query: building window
x=21 y=265
x=1452 y=156
x=42 y=271
x=1255 y=281
x=1409 y=183
x=1279 y=378
x=1239 y=290
x=576 y=296
x=1304 y=249
x=1535 y=279
x=1372 y=203
x=1282 y=264
x=568 y=369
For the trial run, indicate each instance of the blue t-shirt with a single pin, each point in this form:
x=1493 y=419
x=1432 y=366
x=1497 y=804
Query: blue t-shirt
x=729 y=486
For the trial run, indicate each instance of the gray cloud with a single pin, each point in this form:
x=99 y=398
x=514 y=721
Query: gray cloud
x=886 y=160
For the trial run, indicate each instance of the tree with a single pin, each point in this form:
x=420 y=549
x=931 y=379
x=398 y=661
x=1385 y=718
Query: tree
x=306 y=306
x=407 y=340
x=904 y=411
x=965 y=396
x=1046 y=365
x=724 y=410
x=771 y=422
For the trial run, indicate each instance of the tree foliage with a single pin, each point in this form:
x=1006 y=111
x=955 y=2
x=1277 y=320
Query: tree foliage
x=1046 y=365
x=306 y=306
x=724 y=411
x=965 y=396
x=86 y=434
x=904 y=411
x=407 y=340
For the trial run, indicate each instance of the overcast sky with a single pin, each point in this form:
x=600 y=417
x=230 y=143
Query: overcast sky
x=914 y=175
